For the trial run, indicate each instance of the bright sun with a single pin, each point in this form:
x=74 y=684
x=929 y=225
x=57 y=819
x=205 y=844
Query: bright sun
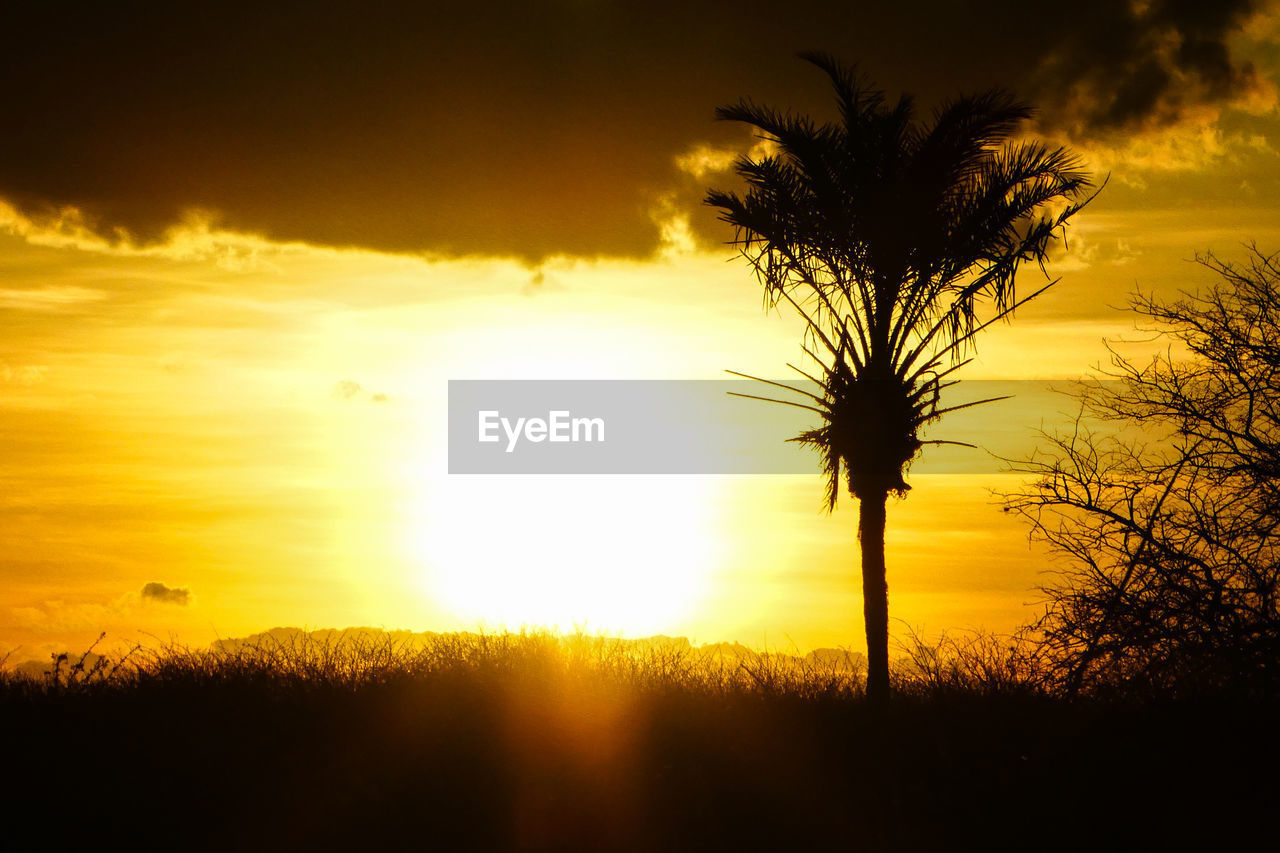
x=632 y=555
x=628 y=555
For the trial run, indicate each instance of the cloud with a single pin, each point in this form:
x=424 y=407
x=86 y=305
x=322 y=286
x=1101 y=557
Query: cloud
x=158 y=592
x=703 y=160
x=60 y=616
x=1146 y=63
x=346 y=389
x=196 y=236
x=47 y=298
x=26 y=374
x=349 y=389
x=1085 y=250
x=516 y=129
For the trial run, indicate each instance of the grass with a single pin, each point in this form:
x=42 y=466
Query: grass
x=538 y=742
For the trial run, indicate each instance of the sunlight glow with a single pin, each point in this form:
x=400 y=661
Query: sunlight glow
x=629 y=555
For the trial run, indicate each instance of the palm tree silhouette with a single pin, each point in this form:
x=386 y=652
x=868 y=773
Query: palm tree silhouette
x=897 y=242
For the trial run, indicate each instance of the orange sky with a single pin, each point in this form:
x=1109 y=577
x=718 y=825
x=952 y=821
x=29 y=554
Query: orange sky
x=249 y=405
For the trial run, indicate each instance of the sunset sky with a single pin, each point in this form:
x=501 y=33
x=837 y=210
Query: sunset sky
x=243 y=251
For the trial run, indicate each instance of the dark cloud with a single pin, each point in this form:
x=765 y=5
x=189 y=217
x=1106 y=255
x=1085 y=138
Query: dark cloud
x=1142 y=64
x=514 y=128
x=155 y=591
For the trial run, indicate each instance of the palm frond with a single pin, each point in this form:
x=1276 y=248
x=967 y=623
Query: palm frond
x=897 y=241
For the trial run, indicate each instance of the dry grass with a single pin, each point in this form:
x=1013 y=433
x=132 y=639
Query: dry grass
x=349 y=660
x=533 y=741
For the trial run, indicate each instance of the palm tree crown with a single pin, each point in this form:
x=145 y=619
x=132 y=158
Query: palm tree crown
x=897 y=241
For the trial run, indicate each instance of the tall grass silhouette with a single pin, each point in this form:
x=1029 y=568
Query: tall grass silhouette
x=538 y=742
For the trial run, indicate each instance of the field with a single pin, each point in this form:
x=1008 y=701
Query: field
x=537 y=742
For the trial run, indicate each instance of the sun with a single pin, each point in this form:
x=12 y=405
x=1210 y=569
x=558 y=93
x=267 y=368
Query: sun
x=626 y=555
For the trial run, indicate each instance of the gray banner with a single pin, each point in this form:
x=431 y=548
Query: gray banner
x=709 y=426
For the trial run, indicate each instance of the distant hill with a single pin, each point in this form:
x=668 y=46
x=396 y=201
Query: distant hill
x=824 y=659
x=838 y=659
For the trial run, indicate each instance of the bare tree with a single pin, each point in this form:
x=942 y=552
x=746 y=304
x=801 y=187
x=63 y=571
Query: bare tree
x=897 y=241
x=1165 y=499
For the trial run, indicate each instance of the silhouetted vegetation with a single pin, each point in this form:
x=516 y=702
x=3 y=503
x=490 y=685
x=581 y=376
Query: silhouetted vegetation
x=532 y=742
x=897 y=241
x=1165 y=502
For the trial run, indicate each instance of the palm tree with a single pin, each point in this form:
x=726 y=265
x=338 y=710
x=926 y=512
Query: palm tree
x=897 y=241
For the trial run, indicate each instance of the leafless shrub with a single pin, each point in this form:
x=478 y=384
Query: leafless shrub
x=976 y=662
x=1164 y=501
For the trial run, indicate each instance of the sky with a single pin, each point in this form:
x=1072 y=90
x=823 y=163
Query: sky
x=242 y=251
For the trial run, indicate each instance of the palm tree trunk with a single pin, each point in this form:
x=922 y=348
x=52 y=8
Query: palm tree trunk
x=875 y=593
